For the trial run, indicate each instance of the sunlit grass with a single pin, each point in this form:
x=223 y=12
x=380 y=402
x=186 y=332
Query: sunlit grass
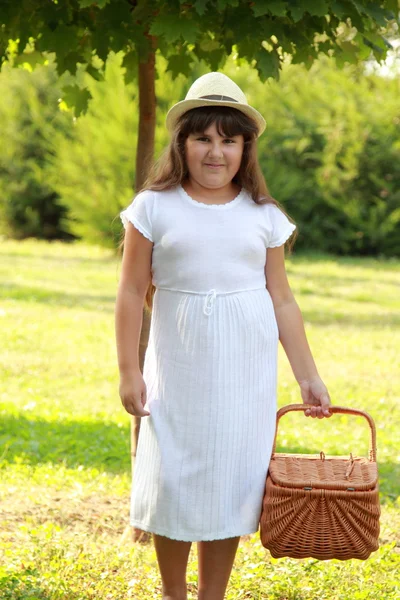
x=64 y=436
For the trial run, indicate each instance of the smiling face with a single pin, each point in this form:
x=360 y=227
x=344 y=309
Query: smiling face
x=213 y=159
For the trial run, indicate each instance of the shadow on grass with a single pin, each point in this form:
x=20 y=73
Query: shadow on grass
x=35 y=257
x=92 y=444
x=38 y=295
x=332 y=317
x=106 y=447
x=306 y=256
x=331 y=280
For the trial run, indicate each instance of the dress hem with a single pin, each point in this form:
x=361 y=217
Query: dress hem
x=183 y=538
x=286 y=235
x=132 y=219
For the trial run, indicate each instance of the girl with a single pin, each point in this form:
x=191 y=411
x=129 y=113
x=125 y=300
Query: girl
x=211 y=239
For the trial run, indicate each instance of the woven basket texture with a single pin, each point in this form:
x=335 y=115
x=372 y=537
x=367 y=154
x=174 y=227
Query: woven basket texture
x=321 y=507
x=296 y=470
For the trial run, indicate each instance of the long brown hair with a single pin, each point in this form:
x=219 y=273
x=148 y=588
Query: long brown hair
x=171 y=170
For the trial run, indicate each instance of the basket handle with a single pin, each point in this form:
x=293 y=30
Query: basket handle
x=332 y=409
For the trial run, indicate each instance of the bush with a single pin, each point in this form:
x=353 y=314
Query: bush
x=94 y=172
x=330 y=154
x=30 y=119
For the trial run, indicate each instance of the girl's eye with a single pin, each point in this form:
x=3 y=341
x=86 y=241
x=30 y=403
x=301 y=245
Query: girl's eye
x=206 y=139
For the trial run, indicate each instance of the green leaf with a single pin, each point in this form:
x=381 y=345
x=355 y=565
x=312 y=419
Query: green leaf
x=242 y=23
x=32 y=58
x=214 y=59
x=143 y=46
x=69 y=62
x=375 y=12
x=297 y=13
x=208 y=44
x=344 y=10
x=304 y=54
x=325 y=46
x=300 y=38
x=393 y=6
x=375 y=41
x=263 y=7
x=260 y=8
x=179 y=64
x=87 y=3
x=247 y=47
x=95 y=73
x=364 y=50
x=172 y=28
x=61 y=40
x=115 y=15
x=130 y=63
x=77 y=98
x=267 y=64
x=347 y=52
x=190 y=30
x=117 y=40
x=201 y=6
x=223 y=4
x=319 y=8
x=278 y=9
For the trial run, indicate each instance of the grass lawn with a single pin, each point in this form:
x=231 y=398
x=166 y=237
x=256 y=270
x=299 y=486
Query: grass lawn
x=64 y=435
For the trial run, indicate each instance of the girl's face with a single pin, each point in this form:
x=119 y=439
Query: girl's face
x=213 y=160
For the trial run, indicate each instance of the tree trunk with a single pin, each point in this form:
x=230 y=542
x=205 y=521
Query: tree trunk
x=144 y=159
x=147 y=119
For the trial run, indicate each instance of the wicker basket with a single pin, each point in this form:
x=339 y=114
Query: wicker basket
x=319 y=506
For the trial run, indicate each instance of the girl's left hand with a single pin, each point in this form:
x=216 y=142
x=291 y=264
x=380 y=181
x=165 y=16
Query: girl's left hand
x=314 y=391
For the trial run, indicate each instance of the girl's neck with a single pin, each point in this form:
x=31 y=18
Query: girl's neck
x=198 y=192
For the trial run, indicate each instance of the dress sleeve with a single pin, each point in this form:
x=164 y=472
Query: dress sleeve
x=279 y=227
x=140 y=213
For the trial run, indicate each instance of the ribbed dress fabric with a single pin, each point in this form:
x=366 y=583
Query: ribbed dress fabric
x=210 y=367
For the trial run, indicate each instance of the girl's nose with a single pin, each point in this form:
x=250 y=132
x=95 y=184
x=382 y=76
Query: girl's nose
x=215 y=150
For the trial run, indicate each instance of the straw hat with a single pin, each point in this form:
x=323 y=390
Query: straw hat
x=214 y=89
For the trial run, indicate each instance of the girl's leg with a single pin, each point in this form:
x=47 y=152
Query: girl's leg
x=172 y=557
x=216 y=560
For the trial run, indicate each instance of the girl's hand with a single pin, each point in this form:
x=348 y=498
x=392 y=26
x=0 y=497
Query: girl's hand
x=313 y=391
x=133 y=394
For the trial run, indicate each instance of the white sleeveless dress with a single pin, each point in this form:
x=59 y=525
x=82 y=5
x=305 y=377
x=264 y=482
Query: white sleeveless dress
x=210 y=367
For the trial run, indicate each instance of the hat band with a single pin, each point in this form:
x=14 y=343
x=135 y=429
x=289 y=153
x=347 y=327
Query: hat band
x=220 y=98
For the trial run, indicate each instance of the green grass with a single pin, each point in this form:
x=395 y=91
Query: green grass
x=64 y=435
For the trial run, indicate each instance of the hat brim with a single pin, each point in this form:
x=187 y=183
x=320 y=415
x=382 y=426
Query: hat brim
x=181 y=107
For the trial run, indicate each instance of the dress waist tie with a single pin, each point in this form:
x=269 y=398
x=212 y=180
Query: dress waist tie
x=209 y=302
x=211 y=295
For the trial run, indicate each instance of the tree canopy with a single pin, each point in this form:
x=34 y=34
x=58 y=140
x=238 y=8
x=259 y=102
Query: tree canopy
x=80 y=32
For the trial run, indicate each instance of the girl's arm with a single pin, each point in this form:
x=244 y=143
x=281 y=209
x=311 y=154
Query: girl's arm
x=292 y=334
x=133 y=284
x=135 y=278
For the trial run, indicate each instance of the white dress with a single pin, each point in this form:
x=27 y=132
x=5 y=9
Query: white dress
x=210 y=368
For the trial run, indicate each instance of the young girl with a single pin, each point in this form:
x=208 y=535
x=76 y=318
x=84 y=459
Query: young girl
x=207 y=234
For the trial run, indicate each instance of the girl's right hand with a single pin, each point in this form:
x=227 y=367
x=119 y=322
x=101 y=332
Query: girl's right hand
x=133 y=394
